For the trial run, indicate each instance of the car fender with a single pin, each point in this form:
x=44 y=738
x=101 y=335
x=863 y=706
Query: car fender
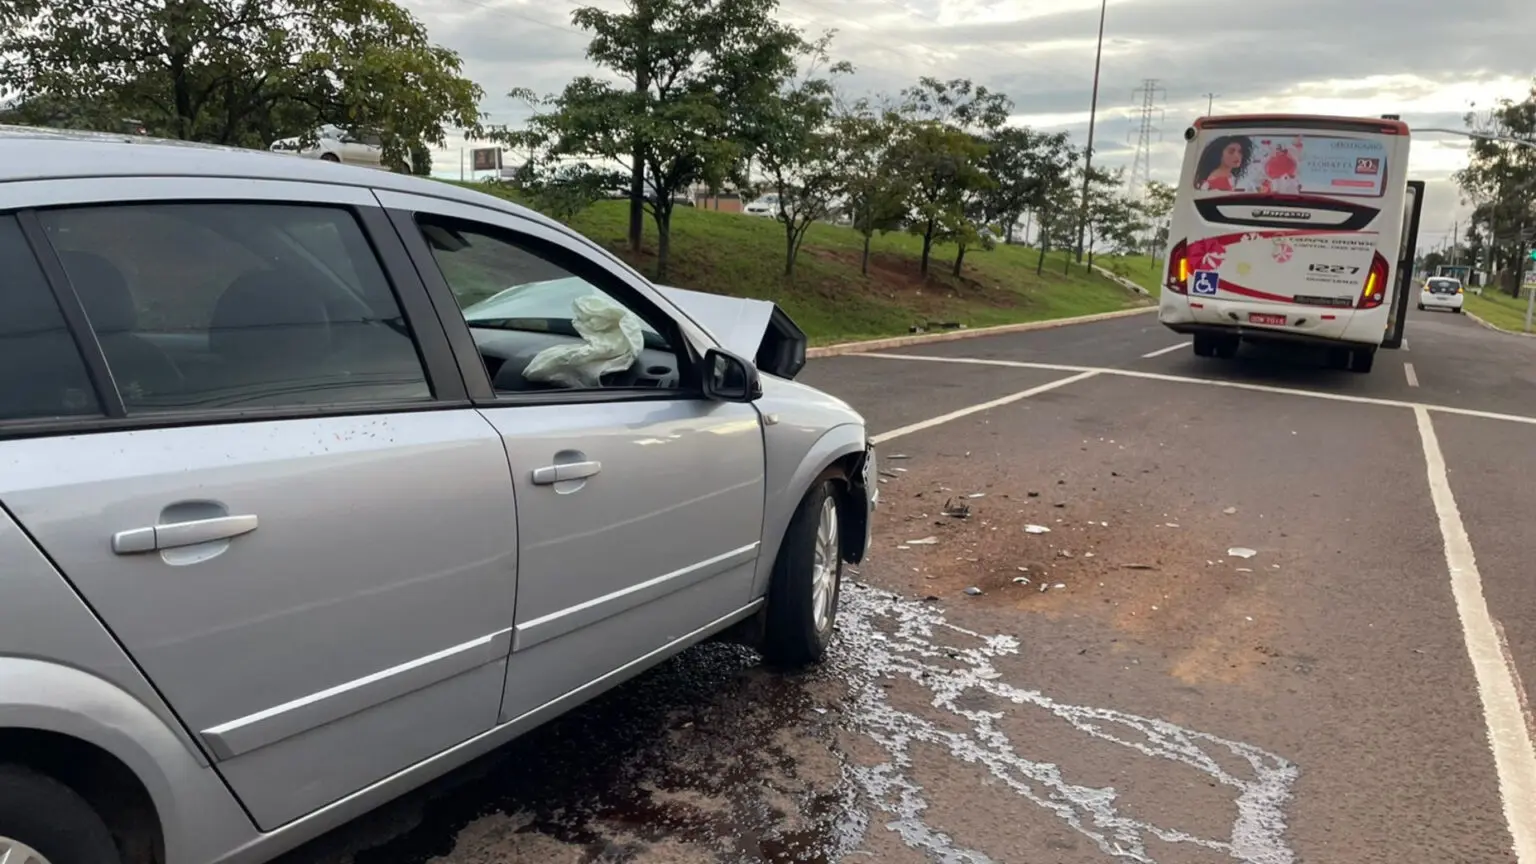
x=794 y=460
x=199 y=818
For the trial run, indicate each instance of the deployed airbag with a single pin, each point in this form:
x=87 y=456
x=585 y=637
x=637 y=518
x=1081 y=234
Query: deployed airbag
x=611 y=340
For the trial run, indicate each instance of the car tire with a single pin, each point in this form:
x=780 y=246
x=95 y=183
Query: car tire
x=807 y=582
x=330 y=157
x=1205 y=345
x=39 y=812
x=1362 y=359
x=1421 y=307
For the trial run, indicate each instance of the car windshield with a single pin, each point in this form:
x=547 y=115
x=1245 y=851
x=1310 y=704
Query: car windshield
x=534 y=306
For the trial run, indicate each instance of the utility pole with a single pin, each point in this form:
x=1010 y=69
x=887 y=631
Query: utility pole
x=1093 y=110
x=1210 y=102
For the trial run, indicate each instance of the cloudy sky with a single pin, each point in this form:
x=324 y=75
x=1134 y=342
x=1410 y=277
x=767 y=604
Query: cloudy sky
x=1428 y=60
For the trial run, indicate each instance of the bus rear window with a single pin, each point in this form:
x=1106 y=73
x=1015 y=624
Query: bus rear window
x=1285 y=163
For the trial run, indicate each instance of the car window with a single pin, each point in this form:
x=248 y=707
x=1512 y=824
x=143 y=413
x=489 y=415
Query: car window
x=211 y=306
x=537 y=325
x=41 y=371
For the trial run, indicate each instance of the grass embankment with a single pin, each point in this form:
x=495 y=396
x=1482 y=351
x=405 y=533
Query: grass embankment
x=1498 y=308
x=728 y=253
x=1144 y=271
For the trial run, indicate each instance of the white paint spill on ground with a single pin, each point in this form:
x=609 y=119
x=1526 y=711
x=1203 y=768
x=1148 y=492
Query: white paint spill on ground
x=884 y=636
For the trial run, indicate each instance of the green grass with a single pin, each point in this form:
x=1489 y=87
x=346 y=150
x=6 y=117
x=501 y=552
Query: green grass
x=1498 y=308
x=1144 y=271
x=728 y=253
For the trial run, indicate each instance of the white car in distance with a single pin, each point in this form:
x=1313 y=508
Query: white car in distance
x=767 y=206
x=334 y=144
x=1440 y=292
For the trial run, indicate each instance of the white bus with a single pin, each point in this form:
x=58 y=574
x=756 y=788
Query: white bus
x=1291 y=228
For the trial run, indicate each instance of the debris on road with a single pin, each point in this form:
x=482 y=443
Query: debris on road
x=973 y=591
x=957 y=510
x=1241 y=552
x=1036 y=529
x=977 y=495
x=1230 y=511
x=1021 y=580
x=1170 y=524
x=896 y=456
x=926 y=541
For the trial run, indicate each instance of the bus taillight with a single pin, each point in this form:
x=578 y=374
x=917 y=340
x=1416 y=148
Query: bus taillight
x=1177 y=279
x=1375 y=292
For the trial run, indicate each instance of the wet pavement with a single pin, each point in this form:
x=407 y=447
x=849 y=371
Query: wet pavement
x=1129 y=684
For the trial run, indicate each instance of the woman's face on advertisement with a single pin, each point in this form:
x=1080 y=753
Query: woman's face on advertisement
x=1232 y=156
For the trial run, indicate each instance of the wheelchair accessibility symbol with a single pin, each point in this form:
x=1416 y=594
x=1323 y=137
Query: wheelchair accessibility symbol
x=1205 y=283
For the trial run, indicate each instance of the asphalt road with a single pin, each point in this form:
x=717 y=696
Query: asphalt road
x=1272 y=623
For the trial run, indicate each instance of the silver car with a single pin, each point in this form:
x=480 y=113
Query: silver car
x=285 y=533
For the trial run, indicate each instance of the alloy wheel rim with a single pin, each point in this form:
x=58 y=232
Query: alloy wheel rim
x=825 y=569
x=17 y=852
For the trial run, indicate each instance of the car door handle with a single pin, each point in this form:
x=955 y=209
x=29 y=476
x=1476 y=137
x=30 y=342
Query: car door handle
x=176 y=534
x=566 y=471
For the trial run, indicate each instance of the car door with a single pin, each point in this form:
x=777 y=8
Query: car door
x=640 y=503
x=276 y=495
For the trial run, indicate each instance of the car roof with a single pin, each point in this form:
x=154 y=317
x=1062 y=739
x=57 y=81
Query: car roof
x=34 y=153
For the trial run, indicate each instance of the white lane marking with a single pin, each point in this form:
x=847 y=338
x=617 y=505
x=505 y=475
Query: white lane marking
x=881 y=637
x=1404 y=346
x=1209 y=382
x=1508 y=736
x=1169 y=350
x=1413 y=377
x=984 y=406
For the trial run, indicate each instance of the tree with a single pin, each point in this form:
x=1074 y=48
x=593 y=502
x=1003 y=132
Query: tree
x=1053 y=164
x=563 y=191
x=1157 y=206
x=421 y=160
x=1500 y=180
x=1007 y=164
x=873 y=190
x=939 y=165
x=696 y=69
x=795 y=144
x=237 y=72
x=941 y=158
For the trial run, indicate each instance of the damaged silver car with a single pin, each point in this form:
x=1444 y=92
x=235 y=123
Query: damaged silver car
x=320 y=481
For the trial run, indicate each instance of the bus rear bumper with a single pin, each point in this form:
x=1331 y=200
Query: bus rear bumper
x=1266 y=334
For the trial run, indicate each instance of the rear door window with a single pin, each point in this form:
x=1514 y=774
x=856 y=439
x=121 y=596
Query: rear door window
x=42 y=373
x=220 y=305
x=1287 y=163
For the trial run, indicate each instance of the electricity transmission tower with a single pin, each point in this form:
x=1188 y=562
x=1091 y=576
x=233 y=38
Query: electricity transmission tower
x=1148 y=117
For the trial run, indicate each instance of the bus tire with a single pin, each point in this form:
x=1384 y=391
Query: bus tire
x=1362 y=359
x=1338 y=358
x=1226 y=349
x=1205 y=345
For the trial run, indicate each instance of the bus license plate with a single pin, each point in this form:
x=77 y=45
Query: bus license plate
x=1262 y=318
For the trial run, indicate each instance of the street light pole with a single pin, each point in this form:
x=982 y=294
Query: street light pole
x=1210 y=102
x=1093 y=111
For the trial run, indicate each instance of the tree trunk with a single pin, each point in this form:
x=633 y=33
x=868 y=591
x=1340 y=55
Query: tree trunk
x=663 y=213
x=864 y=262
x=789 y=248
x=642 y=76
x=927 y=248
x=1040 y=262
x=636 y=202
x=959 y=260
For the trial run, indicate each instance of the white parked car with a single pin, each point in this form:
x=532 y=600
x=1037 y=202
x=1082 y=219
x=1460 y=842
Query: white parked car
x=1440 y=292
x=767 y=205
x=334 y=144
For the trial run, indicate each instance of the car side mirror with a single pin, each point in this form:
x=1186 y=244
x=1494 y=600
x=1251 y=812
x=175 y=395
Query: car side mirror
x=728 y=378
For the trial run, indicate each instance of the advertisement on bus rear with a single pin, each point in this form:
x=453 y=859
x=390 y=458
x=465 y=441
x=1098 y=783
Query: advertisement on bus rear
x=1278 y=164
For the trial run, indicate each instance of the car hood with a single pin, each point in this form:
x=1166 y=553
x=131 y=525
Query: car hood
x=756 y=330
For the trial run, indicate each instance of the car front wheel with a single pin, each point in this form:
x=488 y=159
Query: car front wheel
x=807 y=582
x=42 y=821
